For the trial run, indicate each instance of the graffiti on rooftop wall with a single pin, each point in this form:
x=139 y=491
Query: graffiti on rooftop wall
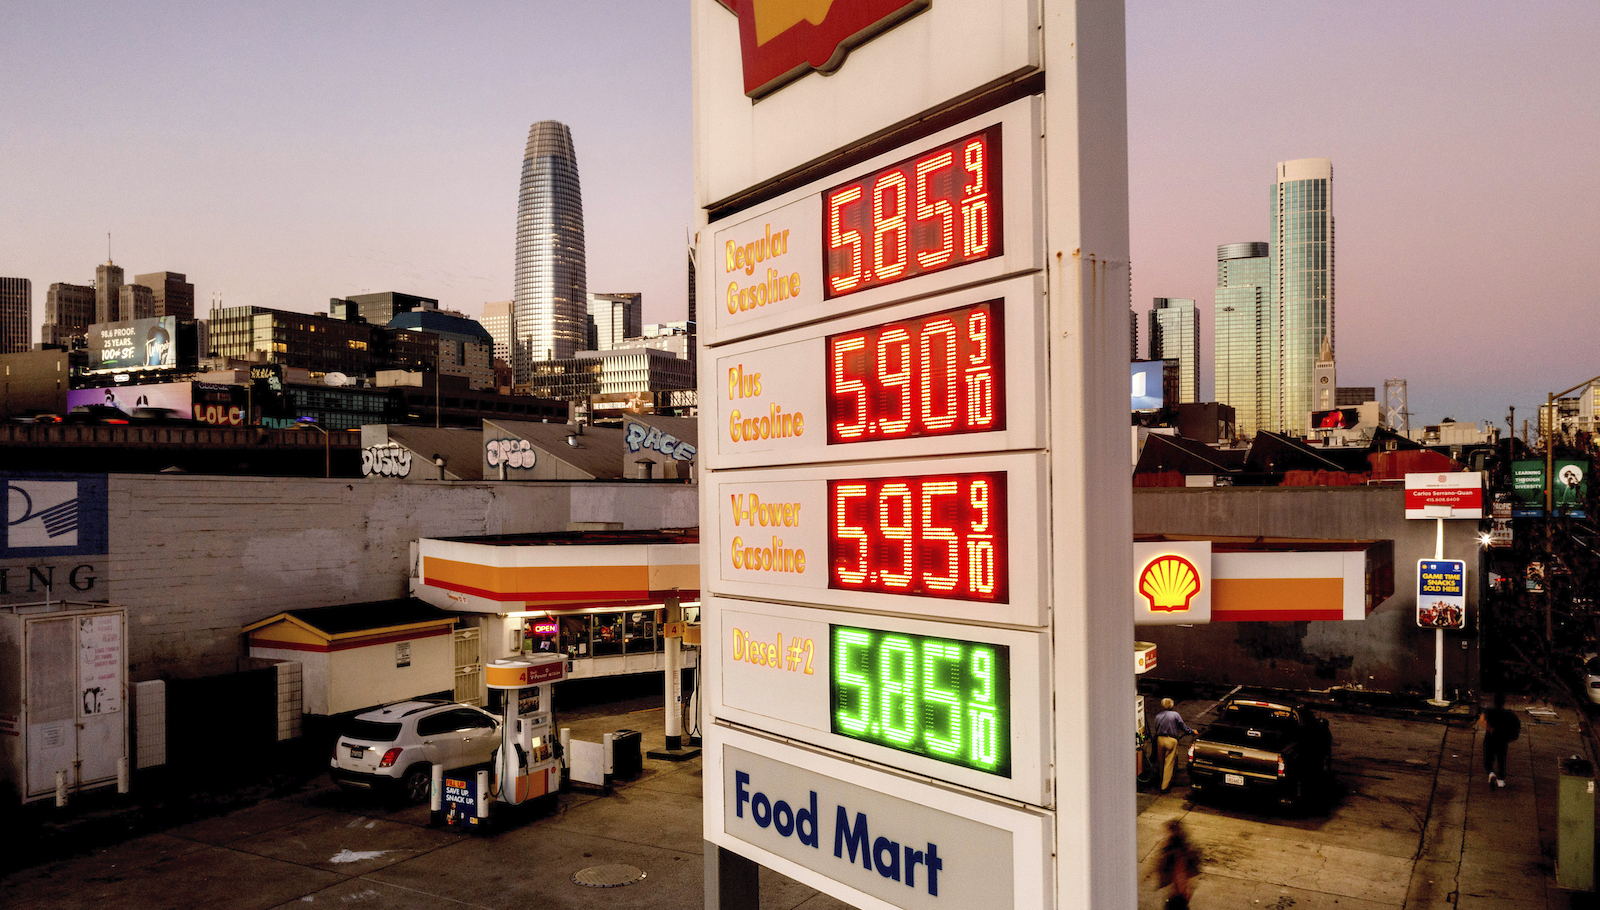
x=386 y=461
x=513 y=453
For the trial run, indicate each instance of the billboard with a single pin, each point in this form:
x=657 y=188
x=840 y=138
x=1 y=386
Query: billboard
x=1568 y=493
x=210 y=403
x=136 y=344
x=1147 y=378
x=1336 y=419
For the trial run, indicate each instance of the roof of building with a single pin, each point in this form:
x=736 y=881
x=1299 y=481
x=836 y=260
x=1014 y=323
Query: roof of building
x=363 y=617
x=596 y=451
x=461 y=447
x=441 y=323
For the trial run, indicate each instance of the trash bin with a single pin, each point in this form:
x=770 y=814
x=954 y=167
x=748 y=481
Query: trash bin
x=626 y=762
x=1575 y=826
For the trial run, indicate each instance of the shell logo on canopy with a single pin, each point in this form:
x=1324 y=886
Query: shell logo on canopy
x=782 y=40
x=1169 y=583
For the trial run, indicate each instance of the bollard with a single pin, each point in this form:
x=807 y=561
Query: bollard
x=122 y=775
x=610 y=767
x=483 y=794
x=436 y=794
x=61 y=789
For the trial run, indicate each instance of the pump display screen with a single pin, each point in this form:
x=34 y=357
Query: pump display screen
x=935 y=211
x=941 y=698
x=938 y=535
x=935 y=375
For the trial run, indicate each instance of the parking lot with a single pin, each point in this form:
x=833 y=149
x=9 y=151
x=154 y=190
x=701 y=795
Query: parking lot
x=1412 y=824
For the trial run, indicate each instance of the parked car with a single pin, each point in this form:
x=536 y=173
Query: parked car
x=95 y=414
x=1590 y=673
x=1270 y=745
x=396 y=747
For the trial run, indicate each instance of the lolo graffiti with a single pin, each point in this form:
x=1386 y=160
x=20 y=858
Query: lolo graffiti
x=513 y=453
x=387 y=461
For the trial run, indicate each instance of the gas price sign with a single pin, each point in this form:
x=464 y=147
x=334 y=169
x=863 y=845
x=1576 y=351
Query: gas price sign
x=935 y=211
x=936 y=697
x=935 y=375
x=933 y=536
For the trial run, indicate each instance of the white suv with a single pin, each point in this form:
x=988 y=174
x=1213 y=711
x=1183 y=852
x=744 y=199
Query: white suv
x=397 y=746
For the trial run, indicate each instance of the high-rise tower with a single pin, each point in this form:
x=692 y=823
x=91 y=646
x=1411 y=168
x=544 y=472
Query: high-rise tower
x=1302 y=280
x=549 y=309
x=1246 y=336
x=16 y=315
x=107 y=292
x=1175 y=335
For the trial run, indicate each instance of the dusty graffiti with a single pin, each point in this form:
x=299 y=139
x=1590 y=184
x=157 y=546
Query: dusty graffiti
x=387 y=461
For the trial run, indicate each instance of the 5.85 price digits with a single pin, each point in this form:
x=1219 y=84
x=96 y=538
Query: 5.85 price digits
x=941 y=698
x=931 y=212
x=931 y=536
x=939 y=374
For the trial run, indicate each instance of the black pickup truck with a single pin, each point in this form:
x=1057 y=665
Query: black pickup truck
x=1268 y=745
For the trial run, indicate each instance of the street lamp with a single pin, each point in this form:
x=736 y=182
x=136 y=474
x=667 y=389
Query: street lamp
x=327 y=451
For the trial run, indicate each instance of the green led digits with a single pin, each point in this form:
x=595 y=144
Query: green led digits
x=941 y=698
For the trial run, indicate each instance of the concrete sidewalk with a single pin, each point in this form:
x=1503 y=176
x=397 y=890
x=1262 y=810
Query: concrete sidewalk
x=1416 y=825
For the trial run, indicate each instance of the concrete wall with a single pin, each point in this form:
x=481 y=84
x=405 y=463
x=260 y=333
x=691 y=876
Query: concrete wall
x=196 y=558
x=1386 y=652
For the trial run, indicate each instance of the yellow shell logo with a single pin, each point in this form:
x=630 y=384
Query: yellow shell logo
x=1169 y=583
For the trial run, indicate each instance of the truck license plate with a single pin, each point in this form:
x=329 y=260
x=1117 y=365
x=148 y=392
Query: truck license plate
x=1233 y=780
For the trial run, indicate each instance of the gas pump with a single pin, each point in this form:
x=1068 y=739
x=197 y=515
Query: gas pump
x=527 y=764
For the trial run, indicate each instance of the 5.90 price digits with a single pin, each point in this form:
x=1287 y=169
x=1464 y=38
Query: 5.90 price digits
x=933 y=536
x=945 y=699
x=932 y=376
x=937 y=210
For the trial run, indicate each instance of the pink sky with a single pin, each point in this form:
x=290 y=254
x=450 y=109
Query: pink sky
x=315 y=150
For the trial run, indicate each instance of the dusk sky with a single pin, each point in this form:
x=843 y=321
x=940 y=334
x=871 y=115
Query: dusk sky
x=287 y=153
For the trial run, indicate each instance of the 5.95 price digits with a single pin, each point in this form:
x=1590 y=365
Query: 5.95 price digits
x=931 y=212
x=945 y=699
x=932 y=536
x=935 y=375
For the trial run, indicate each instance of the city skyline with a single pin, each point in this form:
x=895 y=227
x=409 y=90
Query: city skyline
x=281 y=159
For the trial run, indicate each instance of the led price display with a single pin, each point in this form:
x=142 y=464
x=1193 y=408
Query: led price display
x=940 y=535
x=941 y=698
x=936 y=375
x=938 y=210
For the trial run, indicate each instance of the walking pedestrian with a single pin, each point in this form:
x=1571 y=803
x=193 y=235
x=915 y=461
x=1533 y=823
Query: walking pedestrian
x=1168 y=727
x=1178 y=866
x=1500 y=728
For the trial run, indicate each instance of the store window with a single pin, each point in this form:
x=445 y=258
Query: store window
x=576 y=636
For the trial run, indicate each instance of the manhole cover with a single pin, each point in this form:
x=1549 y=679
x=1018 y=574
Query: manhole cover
x=614 y=876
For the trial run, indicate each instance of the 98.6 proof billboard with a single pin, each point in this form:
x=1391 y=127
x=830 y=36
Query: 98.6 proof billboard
x=134 y=344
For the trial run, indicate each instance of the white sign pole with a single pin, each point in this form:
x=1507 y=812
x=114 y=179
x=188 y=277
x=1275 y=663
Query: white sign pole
x=1086 y=258
x=1438 y=633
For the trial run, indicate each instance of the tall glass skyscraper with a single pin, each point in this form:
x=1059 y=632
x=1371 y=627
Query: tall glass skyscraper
x=550 y=300
x=1246 y=336
x=1175 y=335
x=1302 y=281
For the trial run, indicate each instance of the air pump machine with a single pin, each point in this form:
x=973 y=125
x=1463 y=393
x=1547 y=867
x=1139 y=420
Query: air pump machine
x=527 y=765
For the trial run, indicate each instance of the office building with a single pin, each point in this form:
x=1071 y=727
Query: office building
x=134 y=301
x=466 y=348
x=1133 y=335
x=16 y=315
x=107 y=292
x=676 y=338
x=1175 y=335
x=379 y=309
x=613 y=320
x=593 y=373
x=549 y=318
x=68 y=313
x=1246 y=336
x=171 y=294
x=1303 y=283
x=497 y=322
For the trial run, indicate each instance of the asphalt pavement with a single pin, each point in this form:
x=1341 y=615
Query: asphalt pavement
x=1413 y=824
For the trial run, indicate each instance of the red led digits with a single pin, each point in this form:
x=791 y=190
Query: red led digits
x=935 y=375
x=934 y=536
x=927 y=213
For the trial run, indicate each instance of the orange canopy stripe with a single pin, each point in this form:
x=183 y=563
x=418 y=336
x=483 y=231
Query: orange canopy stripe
x=1276 y=599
